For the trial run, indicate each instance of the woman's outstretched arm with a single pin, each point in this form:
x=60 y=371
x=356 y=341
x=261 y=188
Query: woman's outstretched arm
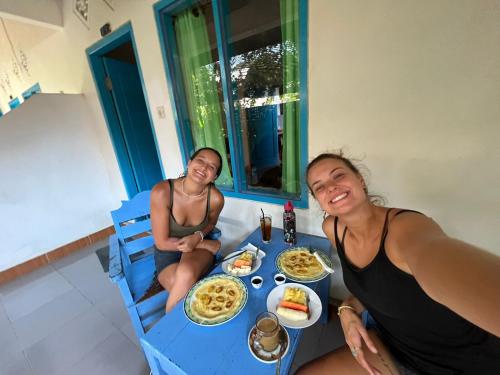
x=456 y=274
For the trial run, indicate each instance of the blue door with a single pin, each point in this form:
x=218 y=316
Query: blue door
x=135 y=128
x=263 y=138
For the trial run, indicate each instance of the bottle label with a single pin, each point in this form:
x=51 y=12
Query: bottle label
x=289 y=229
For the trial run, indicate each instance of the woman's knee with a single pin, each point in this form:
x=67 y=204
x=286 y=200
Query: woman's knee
x=167 y=276
x=186 y=274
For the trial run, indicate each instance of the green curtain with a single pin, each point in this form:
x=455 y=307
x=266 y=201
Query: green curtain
x=198 y=71
x=289 y=10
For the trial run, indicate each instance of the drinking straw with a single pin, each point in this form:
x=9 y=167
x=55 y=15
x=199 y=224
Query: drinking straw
x=262 y=213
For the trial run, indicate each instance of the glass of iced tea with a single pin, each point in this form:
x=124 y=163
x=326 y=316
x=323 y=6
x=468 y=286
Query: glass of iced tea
x=265 y=228
x=267 y=331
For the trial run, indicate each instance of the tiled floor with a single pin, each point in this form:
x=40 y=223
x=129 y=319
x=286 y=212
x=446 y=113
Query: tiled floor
x=68 y=318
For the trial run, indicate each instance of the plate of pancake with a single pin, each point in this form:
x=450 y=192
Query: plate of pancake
x=299 y=264
x=215 y=300
x=295 y=305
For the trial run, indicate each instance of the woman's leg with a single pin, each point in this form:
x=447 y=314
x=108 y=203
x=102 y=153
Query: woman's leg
x=167 y=276
x=342 y=362
x=189 y=270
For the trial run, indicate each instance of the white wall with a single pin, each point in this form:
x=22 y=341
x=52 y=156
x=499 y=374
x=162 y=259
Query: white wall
x=54 y=188
x=415 y=88
x=49 y=55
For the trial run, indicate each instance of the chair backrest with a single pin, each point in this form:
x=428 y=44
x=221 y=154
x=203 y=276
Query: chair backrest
x=132 y=224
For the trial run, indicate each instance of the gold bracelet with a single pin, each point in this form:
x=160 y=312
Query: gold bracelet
x=343 y=307
x=201 y=234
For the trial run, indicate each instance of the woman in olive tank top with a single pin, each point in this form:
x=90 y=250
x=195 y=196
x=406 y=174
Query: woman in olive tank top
x=183 y=211
x=434 y=301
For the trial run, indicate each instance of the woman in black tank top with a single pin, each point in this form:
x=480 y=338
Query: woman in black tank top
x=182 y=255
x=435 y=301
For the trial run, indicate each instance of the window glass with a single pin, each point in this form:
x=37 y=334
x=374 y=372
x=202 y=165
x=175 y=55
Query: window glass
x=247 y=106
x=264 y=75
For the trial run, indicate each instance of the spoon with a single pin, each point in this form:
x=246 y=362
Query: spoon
x=278 y=362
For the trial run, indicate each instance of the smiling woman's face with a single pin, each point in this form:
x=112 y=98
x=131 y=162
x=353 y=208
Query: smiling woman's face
x=336 y=187
x=204 y=166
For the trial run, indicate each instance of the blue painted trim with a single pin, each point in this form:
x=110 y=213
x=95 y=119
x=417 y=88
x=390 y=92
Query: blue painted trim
x=280 y=200
x=304 y=100
x=95 y=53
x=167 y=41
x=219 y=9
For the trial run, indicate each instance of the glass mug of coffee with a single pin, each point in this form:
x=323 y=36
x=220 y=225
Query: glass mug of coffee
x=265 y=228
x=267 y=331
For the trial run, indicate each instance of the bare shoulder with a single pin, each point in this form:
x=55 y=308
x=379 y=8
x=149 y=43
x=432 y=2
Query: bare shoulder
x=411 y=228
x=160 y=192
x=328 y=226
x=216 y=198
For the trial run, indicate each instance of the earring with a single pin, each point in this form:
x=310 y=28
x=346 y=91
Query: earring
x=324 y=215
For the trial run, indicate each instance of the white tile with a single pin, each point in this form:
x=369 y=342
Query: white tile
x=112 y=307
x=129 y=331
x=15 y=365
x=10 y=348
x=88 y=277
x=26 y=299
x=115 y=355
x=69 y=343
x=49 y=317
x=22 y=281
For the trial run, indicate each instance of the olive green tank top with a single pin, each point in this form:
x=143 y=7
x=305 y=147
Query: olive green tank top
x=177 y=230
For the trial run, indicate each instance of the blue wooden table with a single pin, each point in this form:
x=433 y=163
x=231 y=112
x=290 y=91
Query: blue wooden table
x=175 y=345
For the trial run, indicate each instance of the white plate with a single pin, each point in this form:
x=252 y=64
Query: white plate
x=315 y=306
x=260 y=356
x=205 y=322
x=255 y=266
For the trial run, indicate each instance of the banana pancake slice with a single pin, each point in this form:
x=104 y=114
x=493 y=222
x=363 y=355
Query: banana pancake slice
x=217 y=299
x=300 y=263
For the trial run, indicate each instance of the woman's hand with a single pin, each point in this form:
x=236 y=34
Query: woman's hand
x=188 y=243
x=355 y=333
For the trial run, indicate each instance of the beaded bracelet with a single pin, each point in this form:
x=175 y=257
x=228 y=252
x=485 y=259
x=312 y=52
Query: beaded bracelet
x=201 y=234
x=343 y=307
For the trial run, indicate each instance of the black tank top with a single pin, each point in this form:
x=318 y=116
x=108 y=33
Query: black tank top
x=420 y=332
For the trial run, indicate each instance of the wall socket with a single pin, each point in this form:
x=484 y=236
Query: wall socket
x=161 y=111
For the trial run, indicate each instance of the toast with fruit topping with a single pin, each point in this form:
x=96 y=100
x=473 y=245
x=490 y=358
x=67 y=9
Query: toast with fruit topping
x=294 y=305
x=242 y=265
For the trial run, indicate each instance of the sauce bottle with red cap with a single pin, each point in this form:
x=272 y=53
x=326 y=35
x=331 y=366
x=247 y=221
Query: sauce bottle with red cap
x=289 y=230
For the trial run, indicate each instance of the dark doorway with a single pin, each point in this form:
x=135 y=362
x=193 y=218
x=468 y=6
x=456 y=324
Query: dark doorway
x=117 y=76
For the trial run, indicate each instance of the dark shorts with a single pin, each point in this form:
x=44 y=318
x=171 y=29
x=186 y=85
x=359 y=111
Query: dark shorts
x=163 y=259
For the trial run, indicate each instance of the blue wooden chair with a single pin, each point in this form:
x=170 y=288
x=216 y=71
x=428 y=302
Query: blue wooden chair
x=131 y=261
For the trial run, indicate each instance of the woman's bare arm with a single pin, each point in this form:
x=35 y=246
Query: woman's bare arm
x=458 y=275
x=160 y=212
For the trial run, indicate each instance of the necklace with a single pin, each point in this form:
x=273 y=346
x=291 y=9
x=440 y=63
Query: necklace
x=189 y=195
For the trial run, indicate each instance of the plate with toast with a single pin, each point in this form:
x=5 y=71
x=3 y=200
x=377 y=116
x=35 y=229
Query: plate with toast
x=295 y=305
x=243 y=262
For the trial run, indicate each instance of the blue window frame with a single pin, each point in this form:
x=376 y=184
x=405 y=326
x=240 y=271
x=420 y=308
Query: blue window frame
x=251 y=62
